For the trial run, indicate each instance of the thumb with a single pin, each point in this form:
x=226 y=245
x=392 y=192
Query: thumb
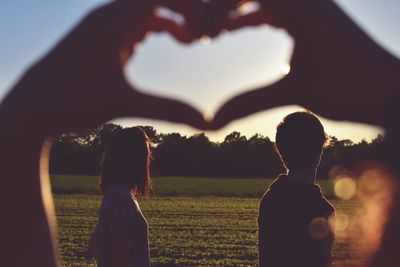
x=253 y=101
x=138 y=104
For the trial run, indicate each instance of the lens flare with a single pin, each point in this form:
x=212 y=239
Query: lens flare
x=205 y=40
x=345 y=188
x=248 y=7
x=375 y=192
x=340 y=225
x=319 y=228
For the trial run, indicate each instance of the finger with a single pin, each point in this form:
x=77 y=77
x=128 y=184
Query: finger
x=196 y=13
x=277 y=94
x=252 y=19
x=180 y=6
x=219 y=14
x=179 y=32
x=120 y=23
x=137 y=104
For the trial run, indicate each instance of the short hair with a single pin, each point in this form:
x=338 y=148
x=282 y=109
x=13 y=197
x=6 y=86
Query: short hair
x=299 y=140
x=126 y=162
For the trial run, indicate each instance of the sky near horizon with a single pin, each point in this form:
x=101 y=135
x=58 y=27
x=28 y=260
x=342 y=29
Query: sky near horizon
x=202 y=75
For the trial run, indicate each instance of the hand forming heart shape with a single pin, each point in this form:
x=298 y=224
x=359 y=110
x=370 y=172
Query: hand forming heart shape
x=333 y=64
x=80 y=84
x=336 y=70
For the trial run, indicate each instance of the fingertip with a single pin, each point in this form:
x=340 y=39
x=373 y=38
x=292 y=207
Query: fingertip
x=178 y=31
x=137 y=104
x=252 y=19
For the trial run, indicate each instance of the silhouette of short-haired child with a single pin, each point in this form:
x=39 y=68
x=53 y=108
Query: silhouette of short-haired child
x=295 y=221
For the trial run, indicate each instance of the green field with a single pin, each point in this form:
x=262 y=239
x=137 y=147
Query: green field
x=184 y=231
x=179 y=186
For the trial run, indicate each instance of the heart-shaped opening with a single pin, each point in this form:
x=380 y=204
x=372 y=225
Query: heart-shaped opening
x=207 y=75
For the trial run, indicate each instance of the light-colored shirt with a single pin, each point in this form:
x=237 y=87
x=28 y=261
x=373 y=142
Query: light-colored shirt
x=120 y=211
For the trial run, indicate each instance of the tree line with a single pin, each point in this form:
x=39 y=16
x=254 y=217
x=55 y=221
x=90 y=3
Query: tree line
x=197 y=156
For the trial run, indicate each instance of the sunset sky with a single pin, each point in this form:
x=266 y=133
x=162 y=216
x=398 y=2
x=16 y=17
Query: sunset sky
x=203 y=75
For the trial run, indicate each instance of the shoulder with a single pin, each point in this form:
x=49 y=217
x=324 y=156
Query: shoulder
x=274 y=186
x=265 y=198
x=327 y=206
x=266 y=203
x=120 y=210
x=274 y=191
x=323 y=205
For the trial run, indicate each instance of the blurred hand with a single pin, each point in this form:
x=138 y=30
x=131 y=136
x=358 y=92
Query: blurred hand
x=81 y=83
x=78 y=85
x=337 y=71
x=203 y=17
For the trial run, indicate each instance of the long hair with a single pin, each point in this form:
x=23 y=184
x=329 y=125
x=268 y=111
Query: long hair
x=126 y=162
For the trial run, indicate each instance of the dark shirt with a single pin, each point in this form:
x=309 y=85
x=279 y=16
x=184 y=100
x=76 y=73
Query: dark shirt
x=295 y=226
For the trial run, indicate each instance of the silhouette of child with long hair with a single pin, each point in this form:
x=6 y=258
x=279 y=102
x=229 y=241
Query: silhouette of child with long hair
x=295 y=221
x=121 y=236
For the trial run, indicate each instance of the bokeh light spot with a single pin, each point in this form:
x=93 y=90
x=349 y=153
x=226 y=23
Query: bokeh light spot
x=375 y=192
x=248 y=7
x=319 y=228
x=345 y=188
x=340 y=225
x=205 y=40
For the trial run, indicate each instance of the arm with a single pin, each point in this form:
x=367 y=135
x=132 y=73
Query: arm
x=324 y=247
x=27 y=225
x=319 y=239
x=268 y=236
x=327 y=246
x=128 y=230
x=262 y=237
x=92 y=246
x=78 y=85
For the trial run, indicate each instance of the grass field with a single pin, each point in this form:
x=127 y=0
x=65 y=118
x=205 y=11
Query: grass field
x=192 y=221
x=179 y=186
x=200 y=231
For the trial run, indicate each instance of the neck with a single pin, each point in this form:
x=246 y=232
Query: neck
x=307 y=175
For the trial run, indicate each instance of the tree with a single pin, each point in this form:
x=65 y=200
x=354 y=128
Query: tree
x=235 y=137
x=196 y=155
x=152 y=134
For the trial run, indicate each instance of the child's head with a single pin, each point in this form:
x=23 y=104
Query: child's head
x=299 y=140
x=126 y=161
